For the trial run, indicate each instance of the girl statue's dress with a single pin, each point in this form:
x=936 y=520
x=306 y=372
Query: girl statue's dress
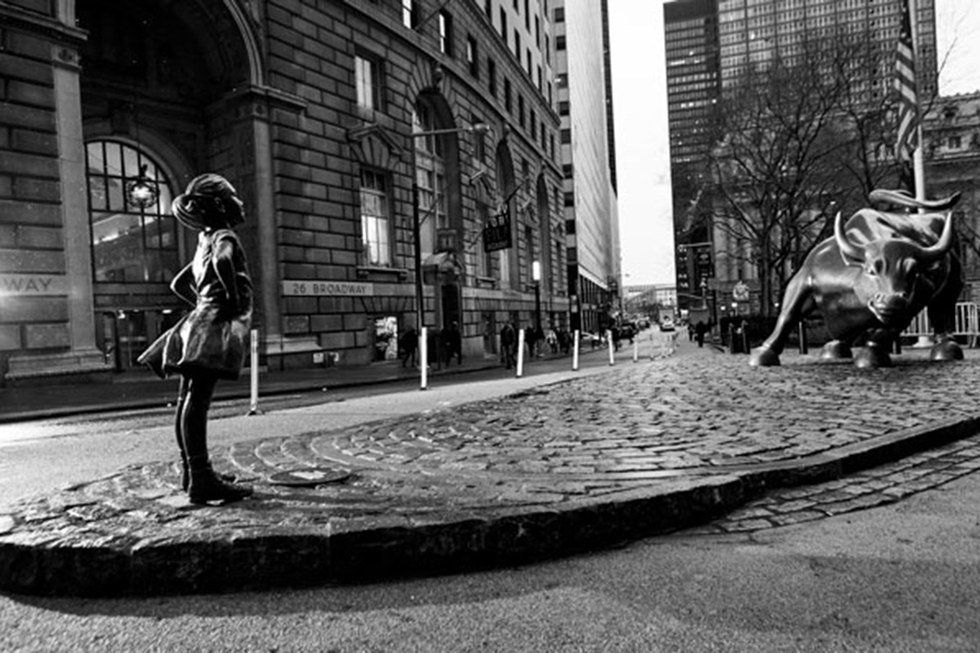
x=209 y=343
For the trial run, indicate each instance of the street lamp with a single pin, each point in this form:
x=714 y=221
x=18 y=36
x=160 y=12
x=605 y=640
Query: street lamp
x=536 y=277
x=480 y=128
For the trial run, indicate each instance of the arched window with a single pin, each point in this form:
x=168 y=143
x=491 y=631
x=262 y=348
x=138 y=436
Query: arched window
x=430 y=171
x=130 y=244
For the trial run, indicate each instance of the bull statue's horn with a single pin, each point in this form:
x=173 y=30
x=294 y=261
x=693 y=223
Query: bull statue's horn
x=847 y=248
x=906 y=200
x=937 y=251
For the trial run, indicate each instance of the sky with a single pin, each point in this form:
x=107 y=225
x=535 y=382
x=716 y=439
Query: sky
x=640 y=117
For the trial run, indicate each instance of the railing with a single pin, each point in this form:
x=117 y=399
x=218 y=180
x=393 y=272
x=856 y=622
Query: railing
x=966 y=324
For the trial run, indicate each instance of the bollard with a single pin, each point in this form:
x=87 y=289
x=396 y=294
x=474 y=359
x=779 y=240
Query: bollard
x=520 y=353
x=424 y=359
x=612 y=354
x=253 y=408
x=636 y=349
x=801 y=330
x=575 y=352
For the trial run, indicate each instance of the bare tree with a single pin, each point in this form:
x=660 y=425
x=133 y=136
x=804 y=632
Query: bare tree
x=776 y=168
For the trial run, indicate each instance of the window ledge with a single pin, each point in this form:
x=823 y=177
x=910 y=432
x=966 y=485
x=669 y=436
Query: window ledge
x=364 y=271
x=485 y=282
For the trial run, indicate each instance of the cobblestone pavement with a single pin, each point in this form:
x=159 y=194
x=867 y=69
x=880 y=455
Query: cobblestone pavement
x=645 y=448
x=878 y=486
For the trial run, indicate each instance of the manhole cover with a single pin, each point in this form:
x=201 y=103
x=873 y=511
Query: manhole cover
x=309 y=476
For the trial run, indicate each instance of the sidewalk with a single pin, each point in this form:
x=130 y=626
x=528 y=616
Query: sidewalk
x=141 y=389
x=573 y=466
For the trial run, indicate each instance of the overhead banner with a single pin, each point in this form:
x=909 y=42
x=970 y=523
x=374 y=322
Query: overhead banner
x=496 y=235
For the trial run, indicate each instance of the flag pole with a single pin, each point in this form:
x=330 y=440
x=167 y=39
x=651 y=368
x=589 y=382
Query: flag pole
x=918 y=164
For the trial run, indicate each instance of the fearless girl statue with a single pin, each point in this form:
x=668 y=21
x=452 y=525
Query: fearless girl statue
x=209 y=343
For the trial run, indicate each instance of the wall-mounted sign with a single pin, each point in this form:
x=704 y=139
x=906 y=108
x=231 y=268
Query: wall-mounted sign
x=446 y=240
x=315 y=288
x=33 y=285
x=496 y=235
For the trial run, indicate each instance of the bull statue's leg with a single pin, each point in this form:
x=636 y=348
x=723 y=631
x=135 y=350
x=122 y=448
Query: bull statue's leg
x=875 y=351
x=942 y=316
x=836 y=350
x=796 y=303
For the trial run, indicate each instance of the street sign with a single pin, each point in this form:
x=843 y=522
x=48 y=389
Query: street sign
x=446 y=240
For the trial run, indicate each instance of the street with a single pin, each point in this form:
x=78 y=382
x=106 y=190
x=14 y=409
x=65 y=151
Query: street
x=899 y=577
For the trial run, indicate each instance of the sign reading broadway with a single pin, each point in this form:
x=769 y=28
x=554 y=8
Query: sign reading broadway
x=33 y=284
x=321 y=288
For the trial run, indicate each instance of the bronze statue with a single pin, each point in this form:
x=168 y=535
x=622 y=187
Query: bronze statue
x=872 y=278
x=209 y=343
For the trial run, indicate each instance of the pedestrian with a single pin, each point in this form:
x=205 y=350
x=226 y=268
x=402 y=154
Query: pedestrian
x=699 y=330
x=530 y=341
x=552 y=339
x=409 y=346
x=210 y=342
x=690 y=332
x=453 y=343
x=508 y=341
x=564 y=340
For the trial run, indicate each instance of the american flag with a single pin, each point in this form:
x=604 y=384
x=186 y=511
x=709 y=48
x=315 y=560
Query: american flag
x=908 y=106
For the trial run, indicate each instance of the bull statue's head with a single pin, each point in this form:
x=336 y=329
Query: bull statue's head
x=890 y=270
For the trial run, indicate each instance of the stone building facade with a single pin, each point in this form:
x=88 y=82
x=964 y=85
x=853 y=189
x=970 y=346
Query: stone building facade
x=309 y=107
x=951 y=138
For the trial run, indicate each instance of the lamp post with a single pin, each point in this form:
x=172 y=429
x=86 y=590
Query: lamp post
x=536 y=277
x=480 y=128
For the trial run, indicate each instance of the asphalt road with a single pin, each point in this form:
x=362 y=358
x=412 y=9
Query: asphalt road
x=899 y=578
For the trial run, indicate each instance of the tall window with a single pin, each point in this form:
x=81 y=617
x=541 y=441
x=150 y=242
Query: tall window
x=408 y=13
x=129 y=244
x=529 y=251
x=368 y=81
x=492 y=77
x=375 y=223
x=503 y=24
x=430 y=174
x=507 y=101
x=472 y=56
x=446 y=33
x=484 y=259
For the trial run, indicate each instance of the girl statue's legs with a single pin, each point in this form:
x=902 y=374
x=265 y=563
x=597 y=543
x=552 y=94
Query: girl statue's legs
x=203 y=484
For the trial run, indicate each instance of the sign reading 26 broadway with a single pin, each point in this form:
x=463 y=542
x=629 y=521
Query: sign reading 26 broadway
x=316 y=288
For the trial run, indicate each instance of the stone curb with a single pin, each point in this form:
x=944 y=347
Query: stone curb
x=453 y=542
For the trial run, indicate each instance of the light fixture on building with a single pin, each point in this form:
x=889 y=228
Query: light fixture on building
x=142 y=192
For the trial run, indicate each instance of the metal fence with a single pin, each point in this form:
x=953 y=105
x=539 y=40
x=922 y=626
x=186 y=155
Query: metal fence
x=966 y=324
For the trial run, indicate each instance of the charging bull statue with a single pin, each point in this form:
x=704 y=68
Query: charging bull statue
x=872 y=278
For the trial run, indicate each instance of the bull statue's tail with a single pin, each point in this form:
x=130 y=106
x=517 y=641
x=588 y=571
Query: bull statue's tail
x=906 y=200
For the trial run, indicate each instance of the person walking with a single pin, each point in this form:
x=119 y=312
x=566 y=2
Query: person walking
x=508 y=341
x=453 y=343
x=699 y=330
x=552 y=339
x=210 y=342
x=409 y=346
